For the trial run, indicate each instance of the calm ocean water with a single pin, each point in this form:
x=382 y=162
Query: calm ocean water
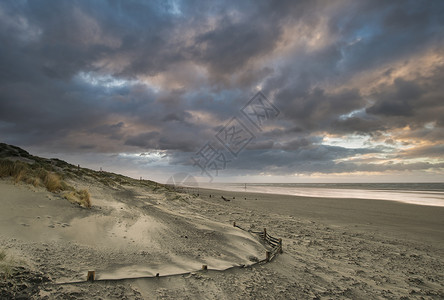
x=431 y=194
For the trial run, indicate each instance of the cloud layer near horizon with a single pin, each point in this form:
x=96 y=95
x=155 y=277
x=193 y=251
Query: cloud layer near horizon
x=358 y=83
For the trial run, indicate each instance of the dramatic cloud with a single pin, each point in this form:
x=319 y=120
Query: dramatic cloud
x=140 y=87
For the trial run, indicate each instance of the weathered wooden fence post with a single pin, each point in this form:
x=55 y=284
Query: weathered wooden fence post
x=234 y=224
x=267 y=256
x=280 y=246
x=91 y=276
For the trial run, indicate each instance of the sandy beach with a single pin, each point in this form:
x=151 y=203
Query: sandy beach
x=388 y=218
x=333 y=248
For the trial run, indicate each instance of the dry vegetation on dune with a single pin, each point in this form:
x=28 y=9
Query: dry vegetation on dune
x=37 y=175
x=52 y=173
x=82 y=197
x=31 y=174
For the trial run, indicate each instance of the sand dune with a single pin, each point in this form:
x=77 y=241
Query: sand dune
x=128 y=233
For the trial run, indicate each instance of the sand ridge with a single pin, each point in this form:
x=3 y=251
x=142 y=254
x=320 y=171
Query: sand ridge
x=129 y=232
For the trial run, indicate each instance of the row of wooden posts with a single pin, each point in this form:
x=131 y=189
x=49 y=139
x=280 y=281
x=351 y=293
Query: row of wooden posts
x=274 y=243
x=92 y=274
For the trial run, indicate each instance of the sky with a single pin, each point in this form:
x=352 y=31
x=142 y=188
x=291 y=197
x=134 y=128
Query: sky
x=228 y=91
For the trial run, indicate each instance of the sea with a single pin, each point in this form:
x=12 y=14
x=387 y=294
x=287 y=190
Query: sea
x=431 y=194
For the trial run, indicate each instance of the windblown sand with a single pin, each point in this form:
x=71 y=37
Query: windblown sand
x=333 y=248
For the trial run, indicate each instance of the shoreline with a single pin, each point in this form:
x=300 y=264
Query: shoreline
x=398 y=219
x=409 y=196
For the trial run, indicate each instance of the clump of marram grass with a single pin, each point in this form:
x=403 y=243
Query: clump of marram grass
x=40 y=177
x=5 y=168
x=52 y=182
x=80 y=197
x=85 y=198
x=10 y=168
x=36 y=182
x=18 y=170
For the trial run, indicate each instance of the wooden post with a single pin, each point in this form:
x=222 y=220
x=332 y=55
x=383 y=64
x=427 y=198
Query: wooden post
x=280 y=246
x=91 y=276
x=204 y=267
x=267 y=255
x=265 y=234
x=234 y=224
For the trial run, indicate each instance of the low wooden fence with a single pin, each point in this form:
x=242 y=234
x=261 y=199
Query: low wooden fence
x=273 y=245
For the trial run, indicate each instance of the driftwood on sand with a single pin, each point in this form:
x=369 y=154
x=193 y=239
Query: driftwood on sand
x=225 y=199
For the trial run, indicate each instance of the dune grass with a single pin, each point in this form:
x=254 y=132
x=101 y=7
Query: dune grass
x=39 y=176
x=52 y=182
x=80 y=197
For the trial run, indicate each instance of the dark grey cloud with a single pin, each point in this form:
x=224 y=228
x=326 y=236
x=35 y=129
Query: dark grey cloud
x=136 y=76
x=319 y=160
x=430 y=151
